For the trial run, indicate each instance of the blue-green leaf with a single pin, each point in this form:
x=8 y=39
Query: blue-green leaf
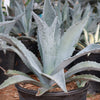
x=19 y=78
x=49 y=13
x=82 y=66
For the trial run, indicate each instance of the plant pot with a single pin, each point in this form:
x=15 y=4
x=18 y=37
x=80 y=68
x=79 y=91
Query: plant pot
x=94 y=86
x=78 y=94
x=6 y=62
x=32 y=46
x=78 y=60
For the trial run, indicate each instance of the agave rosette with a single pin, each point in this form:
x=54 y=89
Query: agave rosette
x=55 y=50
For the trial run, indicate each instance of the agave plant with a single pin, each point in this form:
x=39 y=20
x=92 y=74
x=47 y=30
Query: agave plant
x=6 y=26
x=55 y=50
x=85 y=2
x=24 y=26
x=69 y=13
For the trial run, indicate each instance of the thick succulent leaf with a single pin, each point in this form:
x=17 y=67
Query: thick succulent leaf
x=27 y=57
x=59 y=81
x=84 y=77
x=18 y=28
x=58 y=12
x=65 y=12
x=19 y=78
x=14 y=72
x=26 y=19
x=1 y=12
x=87 y=11
x=93 y=48
x=49 y=13
x=92 y=23
x=43 y=90
x=77 y=13
x=48 y=45
x=13 y=4
x=19 y=10
x=6 y=26
x=28 y=12
x=82 y=66
x=57 y=33
x=68 y=41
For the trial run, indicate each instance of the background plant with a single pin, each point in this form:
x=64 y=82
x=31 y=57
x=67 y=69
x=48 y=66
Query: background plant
x=25 y=26
x=6 y=26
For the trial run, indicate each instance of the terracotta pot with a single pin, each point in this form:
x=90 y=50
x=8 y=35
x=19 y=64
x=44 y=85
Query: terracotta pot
x=78 y=94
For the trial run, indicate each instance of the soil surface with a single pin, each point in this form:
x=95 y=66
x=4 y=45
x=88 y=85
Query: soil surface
x=10 y=93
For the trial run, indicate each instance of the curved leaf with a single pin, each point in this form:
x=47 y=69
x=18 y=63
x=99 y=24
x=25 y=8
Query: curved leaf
x=93 y=48
x=87 y=77
x=27 y=57
x=49 y=13
x=47 y=42
x=19 y=78
x=49 y=46
x=82 y=66
x=68 y=40
x=14 y=72
x=28 y=12
x=20 y=48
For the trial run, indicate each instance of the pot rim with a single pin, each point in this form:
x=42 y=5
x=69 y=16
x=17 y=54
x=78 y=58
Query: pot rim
x=72 y=92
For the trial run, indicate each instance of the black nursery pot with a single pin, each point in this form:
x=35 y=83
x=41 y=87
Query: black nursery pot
x=78 y=94
x=78 y=60
x=94 y=86
x=32 y=46
x=6 y=62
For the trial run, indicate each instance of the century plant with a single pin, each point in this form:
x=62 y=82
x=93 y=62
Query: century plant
x=24 y=26
x=69 y=13
x=55 y=49
x=85 y=2
x=6 y=26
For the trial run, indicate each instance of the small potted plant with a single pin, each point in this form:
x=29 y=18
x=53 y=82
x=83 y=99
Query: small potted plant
x=55 y=50
x=48 y=75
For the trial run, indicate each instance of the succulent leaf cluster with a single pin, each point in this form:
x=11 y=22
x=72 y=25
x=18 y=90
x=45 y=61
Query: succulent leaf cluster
x=55 y=46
